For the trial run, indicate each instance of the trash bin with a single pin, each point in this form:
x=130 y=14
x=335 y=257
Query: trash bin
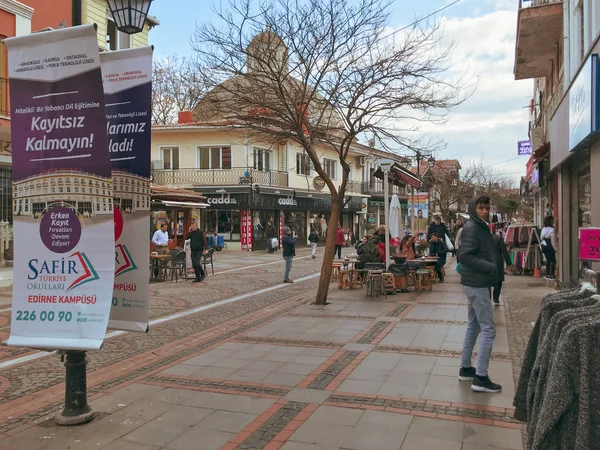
x=400 y=272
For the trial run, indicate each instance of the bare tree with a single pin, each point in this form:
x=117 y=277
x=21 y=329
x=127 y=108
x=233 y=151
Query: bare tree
x=321 y=74
x=175 y=87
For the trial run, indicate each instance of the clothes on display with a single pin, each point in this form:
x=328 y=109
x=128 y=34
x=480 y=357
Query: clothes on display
x=557 y=391
x=524 y=243
x=523 y=260
x=519 y=235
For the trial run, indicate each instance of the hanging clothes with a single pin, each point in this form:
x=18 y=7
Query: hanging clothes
x=557 y=389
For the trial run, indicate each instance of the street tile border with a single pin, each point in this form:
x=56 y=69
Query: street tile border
x=287 y=342
x=372 y=333
x=331 y=316
x=333 y=370
x=220 y=386
x=426 y=351
x=460 y=412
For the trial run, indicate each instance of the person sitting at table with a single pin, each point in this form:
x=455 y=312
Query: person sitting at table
x=407 y=250
x=437 y=247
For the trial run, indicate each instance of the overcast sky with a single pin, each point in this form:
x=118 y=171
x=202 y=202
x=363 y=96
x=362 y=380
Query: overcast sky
x=487 y=127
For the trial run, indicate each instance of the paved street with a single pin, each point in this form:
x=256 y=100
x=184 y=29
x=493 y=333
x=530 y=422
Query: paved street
x=243 y=361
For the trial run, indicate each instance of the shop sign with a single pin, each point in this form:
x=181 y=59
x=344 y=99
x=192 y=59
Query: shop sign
x=583 y=103
x=246 y=229
x=221 y=200
x=371 y=219
x=589 y=244
x=287 y=202
x=318 y=183
x=524 y=148
x=364 y=205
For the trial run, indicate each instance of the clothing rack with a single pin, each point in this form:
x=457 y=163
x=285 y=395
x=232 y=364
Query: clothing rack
x=525 y=258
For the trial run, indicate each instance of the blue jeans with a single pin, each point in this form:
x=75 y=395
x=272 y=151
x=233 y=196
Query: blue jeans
x=288 y=266
x=481 y=321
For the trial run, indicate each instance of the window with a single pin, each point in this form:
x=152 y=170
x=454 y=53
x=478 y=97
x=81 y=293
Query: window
x=115 y=40
x=262 y=160
x=330 y=167
x=170 y=157
x=303 y=164
x=214 y=157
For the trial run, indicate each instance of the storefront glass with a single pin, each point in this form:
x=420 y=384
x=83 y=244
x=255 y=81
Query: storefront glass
x=319 y=221
x=226 y=223
x=260 y=219
x=297 y=223
x=580 y=207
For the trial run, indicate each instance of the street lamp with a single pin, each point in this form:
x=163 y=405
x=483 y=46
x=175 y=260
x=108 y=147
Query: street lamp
x=385 y=166
x=129 y=15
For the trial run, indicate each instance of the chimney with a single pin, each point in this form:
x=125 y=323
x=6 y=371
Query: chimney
x=185 y=117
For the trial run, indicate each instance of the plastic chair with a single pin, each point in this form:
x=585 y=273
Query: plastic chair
x=174 y=265
x=208 y=259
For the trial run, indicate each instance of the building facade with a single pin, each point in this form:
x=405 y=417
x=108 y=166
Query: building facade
x=19 y=18
x=558 y=43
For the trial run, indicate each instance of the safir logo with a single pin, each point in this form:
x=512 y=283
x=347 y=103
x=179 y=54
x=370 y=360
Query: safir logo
x=55 y=274
x=123 y=261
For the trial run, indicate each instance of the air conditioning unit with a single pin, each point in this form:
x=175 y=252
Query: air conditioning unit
x=158 y=164
x=361 y=160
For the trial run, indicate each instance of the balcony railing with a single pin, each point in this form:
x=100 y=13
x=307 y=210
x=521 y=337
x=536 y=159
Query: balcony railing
x=356 y=187
x=219 y=177
x=4 y=98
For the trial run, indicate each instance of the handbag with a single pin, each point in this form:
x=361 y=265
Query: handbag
x=458 y=267
x=448 y=243
x=274 y=243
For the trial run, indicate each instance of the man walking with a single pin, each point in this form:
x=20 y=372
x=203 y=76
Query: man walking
x=477 y=256
x=438 y=248
x=288 y=244
x=271 y=234
x=313 y=238
x=197 y=247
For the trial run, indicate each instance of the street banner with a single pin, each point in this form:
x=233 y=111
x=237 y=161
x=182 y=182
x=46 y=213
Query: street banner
x=421 y=203
x=63 y=215
x=127 y=76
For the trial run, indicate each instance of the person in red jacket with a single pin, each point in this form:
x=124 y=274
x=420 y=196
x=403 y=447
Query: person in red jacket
x=339 y=242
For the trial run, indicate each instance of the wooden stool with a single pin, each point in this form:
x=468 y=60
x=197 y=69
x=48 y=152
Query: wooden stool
x=343 y=274
x=389 y=283
x=361 y=277
x=412 y=279
x=335 y=273
x=431 y=270
x=424 y=280
x=375 y=285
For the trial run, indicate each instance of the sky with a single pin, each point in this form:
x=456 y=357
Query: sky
x=484 y=129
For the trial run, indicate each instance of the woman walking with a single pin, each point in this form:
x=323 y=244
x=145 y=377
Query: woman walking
x=548 y=238
x=313 y=238
x=289 y=251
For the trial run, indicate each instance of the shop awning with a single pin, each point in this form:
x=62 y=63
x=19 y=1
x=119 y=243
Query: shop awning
x=174 y=195
x=541 y=153
x=275 y=191
x=223 y=189
x=185 y=204
x=407 y=177
x=311 y=194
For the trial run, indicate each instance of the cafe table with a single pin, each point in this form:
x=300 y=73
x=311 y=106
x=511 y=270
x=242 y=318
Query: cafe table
x=158 y=263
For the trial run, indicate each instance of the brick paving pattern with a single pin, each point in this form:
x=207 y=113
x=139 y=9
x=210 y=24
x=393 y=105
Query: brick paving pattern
x=274 y=371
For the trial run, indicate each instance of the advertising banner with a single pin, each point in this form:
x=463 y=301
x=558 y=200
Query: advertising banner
x=127 y=76
x=246 y=223
x=63 y=215
x=421 y=204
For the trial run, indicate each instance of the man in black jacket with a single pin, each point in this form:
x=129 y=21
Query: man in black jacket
x=438 y=248
x=477 y=256
x=439 y=227
x=270 y=234
x=197 y=246
x=288 y=244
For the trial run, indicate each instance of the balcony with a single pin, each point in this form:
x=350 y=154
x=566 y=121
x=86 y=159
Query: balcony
x=539 y=31
x=189 y=178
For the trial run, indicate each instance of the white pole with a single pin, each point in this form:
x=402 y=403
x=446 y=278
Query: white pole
x=386 y=212
x=412 y=212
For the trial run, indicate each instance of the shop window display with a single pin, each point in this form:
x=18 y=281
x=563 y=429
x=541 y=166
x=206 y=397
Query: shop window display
x=297 y=223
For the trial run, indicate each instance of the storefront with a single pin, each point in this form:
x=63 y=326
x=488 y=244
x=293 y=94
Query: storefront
x=178 y=208
x=241 y=213
x=574 y=156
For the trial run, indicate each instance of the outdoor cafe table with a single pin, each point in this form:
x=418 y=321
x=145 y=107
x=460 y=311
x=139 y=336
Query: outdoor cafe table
x=159 y=262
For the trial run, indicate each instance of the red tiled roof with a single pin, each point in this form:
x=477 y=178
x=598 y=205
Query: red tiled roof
x=439 y=166
x=165 y=193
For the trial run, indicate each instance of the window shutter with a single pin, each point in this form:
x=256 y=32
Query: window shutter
x=226 y=157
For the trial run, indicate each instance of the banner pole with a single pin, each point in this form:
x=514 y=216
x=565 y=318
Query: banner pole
x=76 y=410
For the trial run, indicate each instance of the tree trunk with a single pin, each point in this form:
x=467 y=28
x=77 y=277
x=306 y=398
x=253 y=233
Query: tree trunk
x=326 y=268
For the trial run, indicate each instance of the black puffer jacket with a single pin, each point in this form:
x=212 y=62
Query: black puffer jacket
x=477 y=253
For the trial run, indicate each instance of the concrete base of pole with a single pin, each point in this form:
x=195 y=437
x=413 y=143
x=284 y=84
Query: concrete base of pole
x=77 y=410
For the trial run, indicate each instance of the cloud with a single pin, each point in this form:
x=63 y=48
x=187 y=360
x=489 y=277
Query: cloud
x=486 y=126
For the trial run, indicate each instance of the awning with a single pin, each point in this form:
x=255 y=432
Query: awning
x=184 y=204
x=223 y=189
x=310 y=194
x=407 y=178
x=276 y=191
x=541 y=153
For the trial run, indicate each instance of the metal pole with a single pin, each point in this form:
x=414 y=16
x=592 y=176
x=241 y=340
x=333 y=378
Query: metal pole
x=386 y=212
x=412 y=217
x=77 y=410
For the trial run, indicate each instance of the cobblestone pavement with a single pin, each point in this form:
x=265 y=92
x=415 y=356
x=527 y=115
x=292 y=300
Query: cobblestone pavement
x=275 y=371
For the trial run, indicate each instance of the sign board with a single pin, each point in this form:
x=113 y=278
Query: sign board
x=589 y=244
x=127 y=76
x=524 y=147
x=371 y=219
x=583 y=103
x=421 y=204
x=318 y=183
x=63 y=220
